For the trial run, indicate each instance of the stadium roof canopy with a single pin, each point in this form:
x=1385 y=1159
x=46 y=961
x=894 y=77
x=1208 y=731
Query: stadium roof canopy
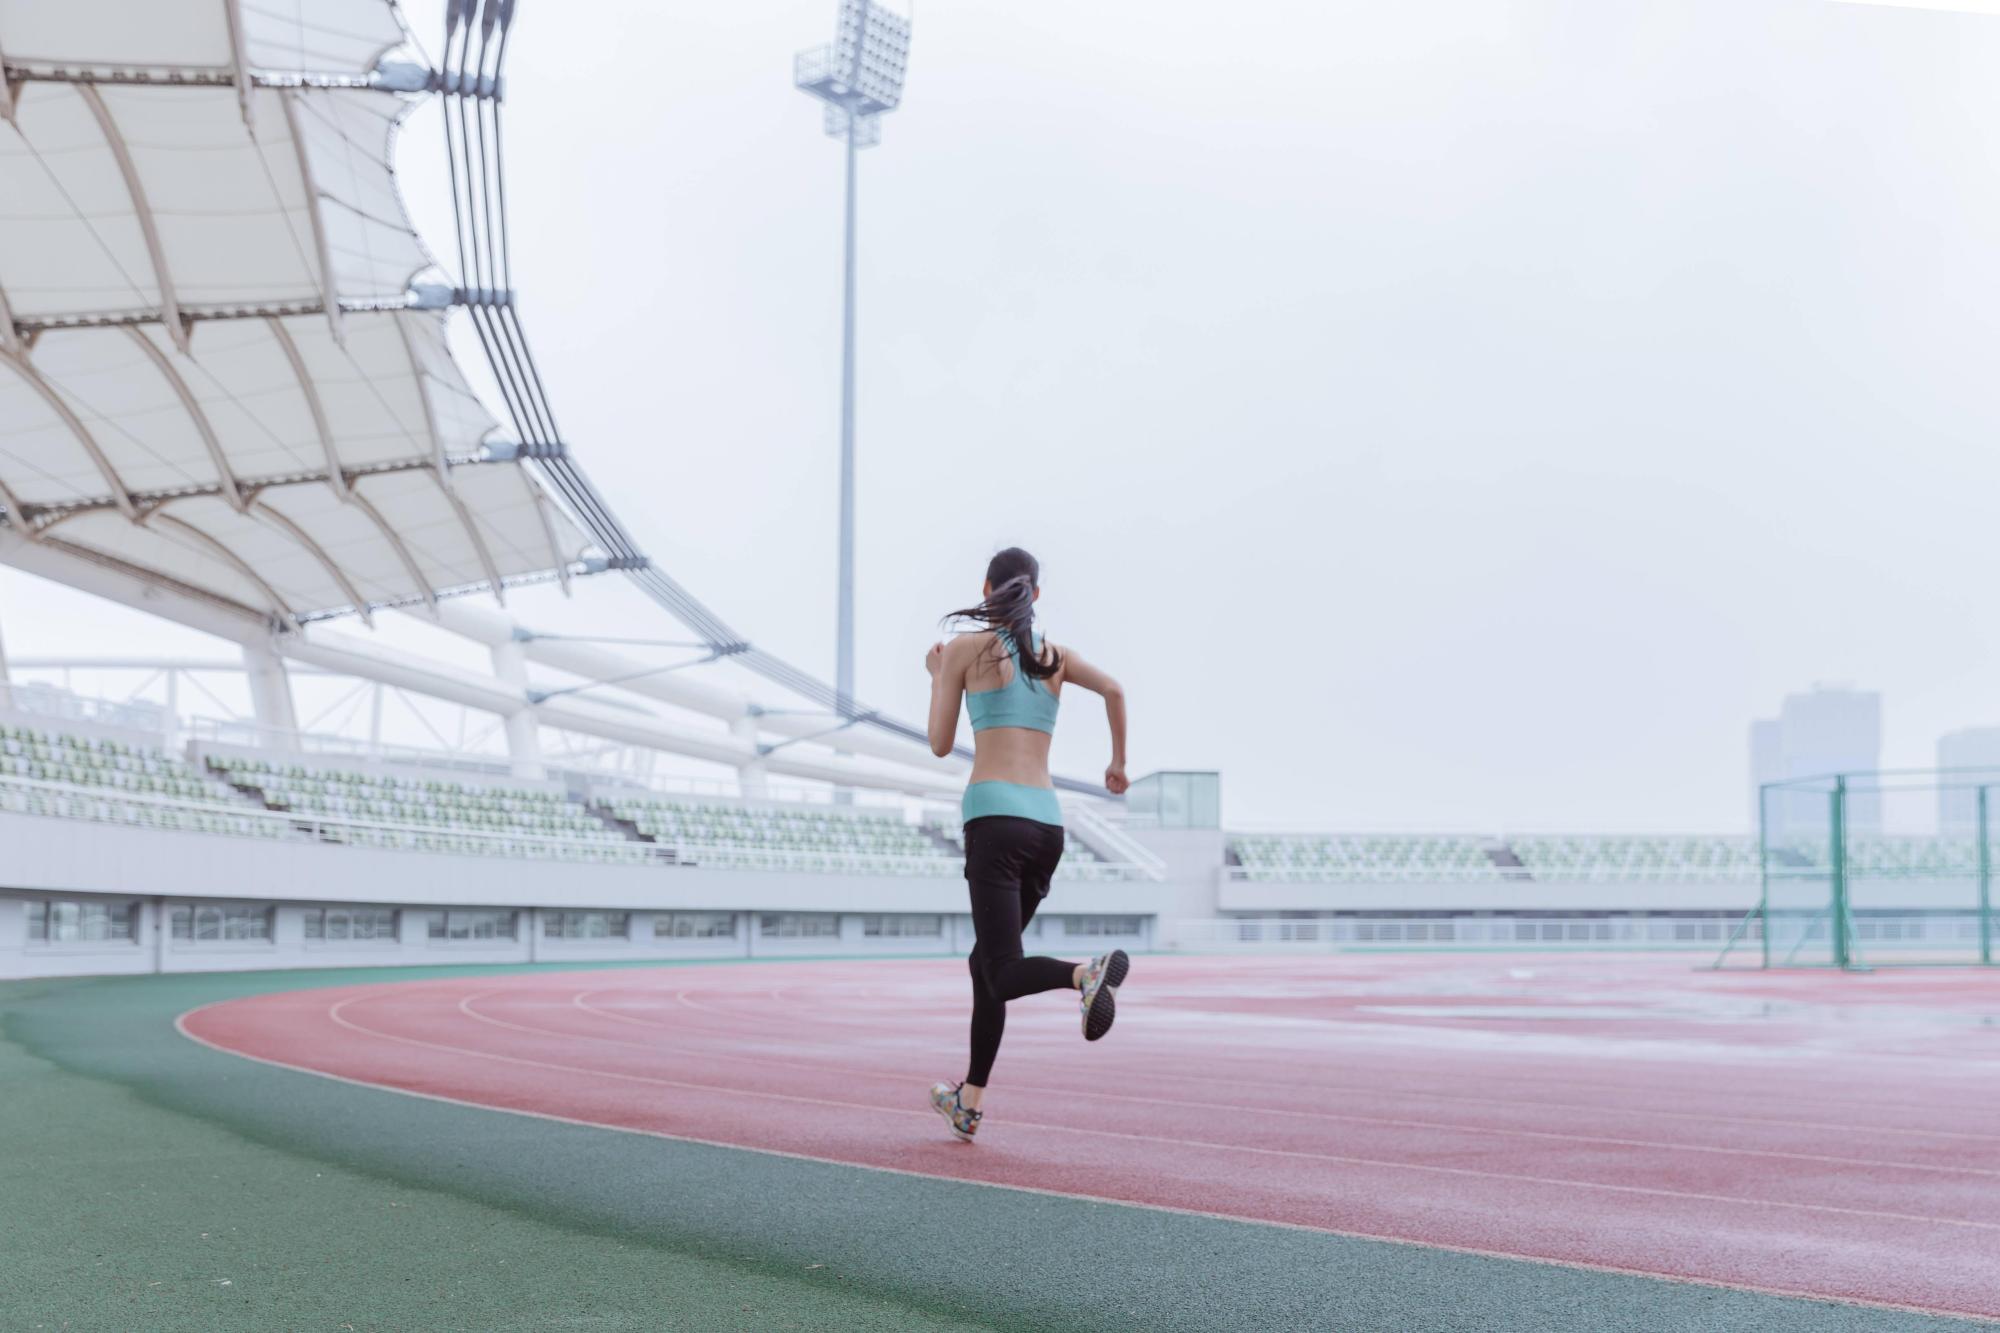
x=225 y=391
x=214 y=369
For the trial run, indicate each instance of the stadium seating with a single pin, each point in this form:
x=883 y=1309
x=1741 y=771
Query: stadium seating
x=1618 y=857
x=727 y=835
x=248 y=795
x=431 y=815
x=1317 y=858
x=1078 y=861
x=1330 y=858
x=125 y=784
x=1890 y=857
x=89 y=762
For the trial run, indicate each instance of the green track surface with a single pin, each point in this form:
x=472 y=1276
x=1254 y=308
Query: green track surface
x=150 y=1183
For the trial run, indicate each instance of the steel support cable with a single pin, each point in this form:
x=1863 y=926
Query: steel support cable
x=460 y=13
x=485 y=262
x=479 y=109
x=478 y=275
x=499 y=157
x=535 y=420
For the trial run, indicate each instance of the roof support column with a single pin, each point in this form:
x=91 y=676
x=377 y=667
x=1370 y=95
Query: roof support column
x=750 y=775
x=6 y=684
x=270 y=695
x=524 y=742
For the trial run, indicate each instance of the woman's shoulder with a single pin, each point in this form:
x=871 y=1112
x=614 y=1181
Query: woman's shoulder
x=970 y=643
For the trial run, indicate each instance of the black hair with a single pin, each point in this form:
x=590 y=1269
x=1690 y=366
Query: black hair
x=1013 y=575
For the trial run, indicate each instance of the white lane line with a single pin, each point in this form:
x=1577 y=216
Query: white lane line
x=581 y=1001
x=1428 y=1168
x=1579 y=1265
x=1318 y=1089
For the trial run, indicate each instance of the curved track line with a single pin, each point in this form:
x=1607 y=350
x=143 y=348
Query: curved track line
x=1321 y=1089
x=577 y=1002
x=1648 y=1191
x=1793 y=1293
x=798 y=1014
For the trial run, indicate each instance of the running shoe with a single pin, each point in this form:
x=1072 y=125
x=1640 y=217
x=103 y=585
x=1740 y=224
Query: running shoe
x=964 y=1121
x=1101 y=980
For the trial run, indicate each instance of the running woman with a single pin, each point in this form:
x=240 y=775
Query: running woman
x=1011 y=681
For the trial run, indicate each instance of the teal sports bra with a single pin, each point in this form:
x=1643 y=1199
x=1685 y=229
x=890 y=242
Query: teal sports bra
x=1021 y=702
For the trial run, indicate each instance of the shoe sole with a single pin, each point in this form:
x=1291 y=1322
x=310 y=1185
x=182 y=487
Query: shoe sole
x=1104 y=1005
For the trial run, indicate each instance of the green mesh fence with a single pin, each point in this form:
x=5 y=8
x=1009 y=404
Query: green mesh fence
x=1876 y=869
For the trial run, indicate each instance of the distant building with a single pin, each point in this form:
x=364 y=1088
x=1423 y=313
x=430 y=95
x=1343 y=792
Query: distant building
x=1767 y=759
x=1831 y=729
x=1973 y=747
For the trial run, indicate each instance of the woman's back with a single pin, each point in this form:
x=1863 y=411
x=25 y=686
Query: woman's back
x=1013 y=702
x=1013 y=714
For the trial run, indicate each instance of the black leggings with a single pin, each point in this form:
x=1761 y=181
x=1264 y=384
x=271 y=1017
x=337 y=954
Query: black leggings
x=1008 y=863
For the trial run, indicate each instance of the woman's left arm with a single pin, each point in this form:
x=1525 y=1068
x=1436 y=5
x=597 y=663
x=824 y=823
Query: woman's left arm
x=947 y=668
x=1076 y=671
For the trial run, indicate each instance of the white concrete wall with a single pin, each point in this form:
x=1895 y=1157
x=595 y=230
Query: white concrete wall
x=42 y=857
x=45 y=853
x=1871 y=893
x=1487 y=896
x=1193 y=857
x=154 y=949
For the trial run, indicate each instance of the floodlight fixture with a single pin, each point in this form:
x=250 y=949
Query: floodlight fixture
x=859 y=75
x=859 y=78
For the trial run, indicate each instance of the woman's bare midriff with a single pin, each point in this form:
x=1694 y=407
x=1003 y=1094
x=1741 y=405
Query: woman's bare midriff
x=1011 y=754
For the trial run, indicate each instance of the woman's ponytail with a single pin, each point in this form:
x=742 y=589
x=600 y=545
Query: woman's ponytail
x=1013 y=576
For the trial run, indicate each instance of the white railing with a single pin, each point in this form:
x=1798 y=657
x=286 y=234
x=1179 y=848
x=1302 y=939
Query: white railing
x=116 y=805
x=496 y=769
x=51 y=704
x=277 y=746
x=1334 y=934
x=1398 y=874
x=1106 y=837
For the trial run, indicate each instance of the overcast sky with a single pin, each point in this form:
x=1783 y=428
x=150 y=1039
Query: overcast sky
x=1445 y=415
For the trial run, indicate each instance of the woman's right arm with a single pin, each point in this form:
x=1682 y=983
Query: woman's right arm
x=1076 y=671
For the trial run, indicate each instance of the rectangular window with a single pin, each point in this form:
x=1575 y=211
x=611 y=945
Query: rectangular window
x=1100 y=925
x=206 y=922
x=81 y=921
x=473 y=925
x=903 y=927
x=586 y=925
x=694 y=926
x=351 y=923
x=799 y=926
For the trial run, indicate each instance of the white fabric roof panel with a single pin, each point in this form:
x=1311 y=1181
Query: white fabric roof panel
x=166 y=550
x=348 y=137
x=334 y=37
x=262 y=449
x=234 y=220
x=416 y=505
x=378 y=390
x=300 y=551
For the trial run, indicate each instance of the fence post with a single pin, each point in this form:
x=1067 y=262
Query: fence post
x=1764 y=869
x=1985 y=885
x=1839 y=850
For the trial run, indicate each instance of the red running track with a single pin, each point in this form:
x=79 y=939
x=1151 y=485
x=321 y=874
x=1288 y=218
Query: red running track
x=1804 y=1133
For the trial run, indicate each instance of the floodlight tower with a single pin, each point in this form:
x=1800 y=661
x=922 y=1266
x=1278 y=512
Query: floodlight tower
x=859 y=77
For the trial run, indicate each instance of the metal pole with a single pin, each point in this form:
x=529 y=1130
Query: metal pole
x=1764 y=867
x=1985 y=886
x=844 y=667
x=1839 y=840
